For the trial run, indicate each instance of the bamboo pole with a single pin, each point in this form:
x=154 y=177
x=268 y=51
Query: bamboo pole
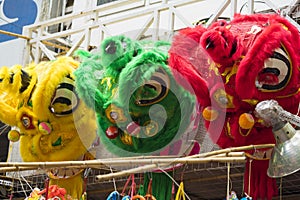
x=55 y=45
x=156 y=166
x=27 y=38
x=115 y=163
x=234 y=149
x=105 y=162
x=16 y=168
x=14 y=34
x=230 y=154
x=124 y=173
x=222 y=155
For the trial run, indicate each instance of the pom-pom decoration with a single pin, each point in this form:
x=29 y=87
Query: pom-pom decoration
x=13 y=136
x=209 y=114
x=246 y=121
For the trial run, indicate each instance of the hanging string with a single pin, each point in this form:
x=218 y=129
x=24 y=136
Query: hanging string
x=26 y=182
x=228 y=180
x=21 y=184
x=173 y=185
x=85 y=182
x=114 y=181
x=174 y=182
x=133 y=186
x=125 y=186
x=280 y=189
x=149 y=190
x=249 y=176
x=243 y=188
x=11 y=196
x=12 y=188
x=47 y=188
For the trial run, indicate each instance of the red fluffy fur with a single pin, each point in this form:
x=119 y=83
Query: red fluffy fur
x=273 y=36
x=221 y=45
x=239 y=49
x=184 y=62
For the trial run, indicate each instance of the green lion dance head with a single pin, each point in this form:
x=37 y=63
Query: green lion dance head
x=139 y=106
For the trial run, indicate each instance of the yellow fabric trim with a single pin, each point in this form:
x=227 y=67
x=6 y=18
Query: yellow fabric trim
x=108 y=81
x=251 y=101
x=213 y=67
x=242 y=134
x=228 y=130
x=289 y=95
x=229 y=72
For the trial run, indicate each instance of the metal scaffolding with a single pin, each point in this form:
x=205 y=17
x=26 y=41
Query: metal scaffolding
x=158 y=19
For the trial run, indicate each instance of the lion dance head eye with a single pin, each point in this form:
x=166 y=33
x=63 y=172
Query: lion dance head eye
x=154 y=89
x=276 y=72
x=111 y=48
x=65 y=100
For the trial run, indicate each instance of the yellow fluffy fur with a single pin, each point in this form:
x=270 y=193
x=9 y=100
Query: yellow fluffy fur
x=69 y=135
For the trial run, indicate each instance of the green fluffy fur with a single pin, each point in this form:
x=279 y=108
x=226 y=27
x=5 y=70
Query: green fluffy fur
x=125 y=50
x=87 y=74
x=117 y=75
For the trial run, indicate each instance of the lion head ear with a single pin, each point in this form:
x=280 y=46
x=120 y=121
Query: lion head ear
x=82 y=54
x=117 y=51
x=223 y=46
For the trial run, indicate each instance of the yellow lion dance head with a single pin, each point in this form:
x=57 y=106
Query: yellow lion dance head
x=51 y=121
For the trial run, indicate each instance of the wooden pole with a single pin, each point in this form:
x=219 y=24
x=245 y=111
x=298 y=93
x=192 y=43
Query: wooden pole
x=124 y=173
x=27 y=38
x=223 y=155
x=115 y=163
x=235 y=149
x=55 y=45
x=14 y=34
x=145 y=168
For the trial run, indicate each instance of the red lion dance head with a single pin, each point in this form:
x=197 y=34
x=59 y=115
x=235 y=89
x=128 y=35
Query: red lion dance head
x=232 y=66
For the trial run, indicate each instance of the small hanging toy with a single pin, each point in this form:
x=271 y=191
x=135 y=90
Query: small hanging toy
x=233 y=196
x=53 y=192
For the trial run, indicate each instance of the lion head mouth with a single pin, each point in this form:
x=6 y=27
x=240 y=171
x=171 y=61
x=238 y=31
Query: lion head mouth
x=53 y=142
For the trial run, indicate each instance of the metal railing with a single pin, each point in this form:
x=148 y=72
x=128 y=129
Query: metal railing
x=158 y=19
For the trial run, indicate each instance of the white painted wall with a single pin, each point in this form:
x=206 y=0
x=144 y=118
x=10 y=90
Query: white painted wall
x=11 y=52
